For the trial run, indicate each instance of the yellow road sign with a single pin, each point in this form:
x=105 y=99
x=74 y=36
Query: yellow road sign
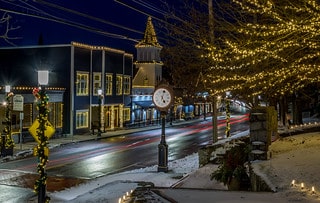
x=50 y=130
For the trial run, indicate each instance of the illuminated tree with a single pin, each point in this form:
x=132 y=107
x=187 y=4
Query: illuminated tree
x=258 y=48
x=196 y=52
x=275 y=54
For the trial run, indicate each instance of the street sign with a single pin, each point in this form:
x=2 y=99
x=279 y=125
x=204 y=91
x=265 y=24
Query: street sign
x=18 y=102
x=50 y=130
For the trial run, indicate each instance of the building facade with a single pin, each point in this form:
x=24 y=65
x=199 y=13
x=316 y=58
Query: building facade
x=76 y=72
x=148 y=76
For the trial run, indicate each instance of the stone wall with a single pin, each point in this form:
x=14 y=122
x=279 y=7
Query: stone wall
x=263 y=126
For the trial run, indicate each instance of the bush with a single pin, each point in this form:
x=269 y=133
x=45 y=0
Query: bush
x=233 y=168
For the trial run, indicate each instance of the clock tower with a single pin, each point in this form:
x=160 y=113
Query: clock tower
x=148 y=76
x=148 y=62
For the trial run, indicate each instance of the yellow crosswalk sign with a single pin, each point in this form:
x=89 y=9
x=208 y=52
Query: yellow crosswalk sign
x=50 y=130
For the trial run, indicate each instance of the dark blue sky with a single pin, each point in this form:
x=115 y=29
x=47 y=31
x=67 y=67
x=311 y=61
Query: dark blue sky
x=88 y=18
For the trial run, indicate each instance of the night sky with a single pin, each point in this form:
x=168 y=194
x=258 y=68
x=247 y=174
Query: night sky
x=63 y=21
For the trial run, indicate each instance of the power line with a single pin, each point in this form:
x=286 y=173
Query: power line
x=87 y=16
x=73 y=24
x=35 y=12
x=139 y=11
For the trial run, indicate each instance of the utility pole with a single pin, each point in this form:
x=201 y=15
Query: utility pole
x=214 y=97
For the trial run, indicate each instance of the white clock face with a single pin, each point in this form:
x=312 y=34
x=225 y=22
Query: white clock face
x=162 y=98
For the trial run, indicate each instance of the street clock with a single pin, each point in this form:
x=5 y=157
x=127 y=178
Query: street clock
x=163 y=97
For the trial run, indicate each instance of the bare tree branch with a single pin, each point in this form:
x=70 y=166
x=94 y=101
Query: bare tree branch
x=6 y=28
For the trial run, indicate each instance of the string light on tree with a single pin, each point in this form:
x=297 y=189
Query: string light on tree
x=277 y=54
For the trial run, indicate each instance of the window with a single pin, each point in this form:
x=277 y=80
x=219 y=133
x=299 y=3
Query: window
x=27 y=112
x=59 y=110
x=82 y=83
x=96 y=83
x=82 y=119
x=109 y=84
x=56 y=114
x=119 y=85
x=126 y=114
x=126 y=85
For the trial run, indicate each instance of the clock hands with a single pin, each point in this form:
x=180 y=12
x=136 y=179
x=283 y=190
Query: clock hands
x=163 y=100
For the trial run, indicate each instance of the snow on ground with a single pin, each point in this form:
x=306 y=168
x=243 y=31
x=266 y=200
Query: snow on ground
x=293 y=158
x=110 y=188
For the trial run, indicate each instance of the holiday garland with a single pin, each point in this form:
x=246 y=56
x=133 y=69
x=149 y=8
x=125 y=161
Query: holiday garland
x=9 y=143
x=42 y=150
x=227 y=118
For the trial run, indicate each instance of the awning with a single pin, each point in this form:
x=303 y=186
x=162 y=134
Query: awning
x=144 y=104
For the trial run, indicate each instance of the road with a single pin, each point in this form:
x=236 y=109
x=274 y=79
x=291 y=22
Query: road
x=88 y=160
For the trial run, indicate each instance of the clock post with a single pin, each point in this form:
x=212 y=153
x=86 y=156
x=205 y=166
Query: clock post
x=163 y=99
x=163 y=147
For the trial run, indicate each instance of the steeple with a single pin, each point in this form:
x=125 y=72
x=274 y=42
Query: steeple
x=148 y=61
x=150 y=37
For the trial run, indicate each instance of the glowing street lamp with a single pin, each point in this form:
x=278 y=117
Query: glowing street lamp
x=7 y=88
x=43 y=77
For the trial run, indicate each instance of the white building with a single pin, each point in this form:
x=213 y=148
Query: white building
x=148 y=76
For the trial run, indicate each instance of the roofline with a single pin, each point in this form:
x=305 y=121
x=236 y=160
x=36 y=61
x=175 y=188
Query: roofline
x=105 y=48
x=75 y=44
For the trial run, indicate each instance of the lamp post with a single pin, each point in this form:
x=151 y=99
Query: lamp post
x=163 y=146
x=7 y=142
x=42 y=150
x=228 y=95
x=204 y=107
x=100 y=97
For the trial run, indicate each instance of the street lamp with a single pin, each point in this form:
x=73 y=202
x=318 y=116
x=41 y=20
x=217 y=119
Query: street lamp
x=7 y=142
x=204 y=106
x=42 y=149
x=100 y=97
x=43 y=77
x=228 y=96
x=7 y=88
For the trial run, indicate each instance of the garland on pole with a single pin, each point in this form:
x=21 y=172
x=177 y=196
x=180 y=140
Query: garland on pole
x=42 y=150
x=228 y=118
x=9 y=144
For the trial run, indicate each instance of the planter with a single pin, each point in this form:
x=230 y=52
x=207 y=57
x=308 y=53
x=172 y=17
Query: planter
x=239 y=185
x=234 y=184
x=6 y=152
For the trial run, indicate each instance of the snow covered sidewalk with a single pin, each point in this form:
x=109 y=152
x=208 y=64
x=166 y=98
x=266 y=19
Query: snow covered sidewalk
x=293 y=158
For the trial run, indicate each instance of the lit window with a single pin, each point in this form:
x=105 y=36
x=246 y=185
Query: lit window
x=96 y=83
x=119 y=85
x=82 y=119
x=126 y=85
x=82 y=83
x=126 y=114
x=109 y=84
